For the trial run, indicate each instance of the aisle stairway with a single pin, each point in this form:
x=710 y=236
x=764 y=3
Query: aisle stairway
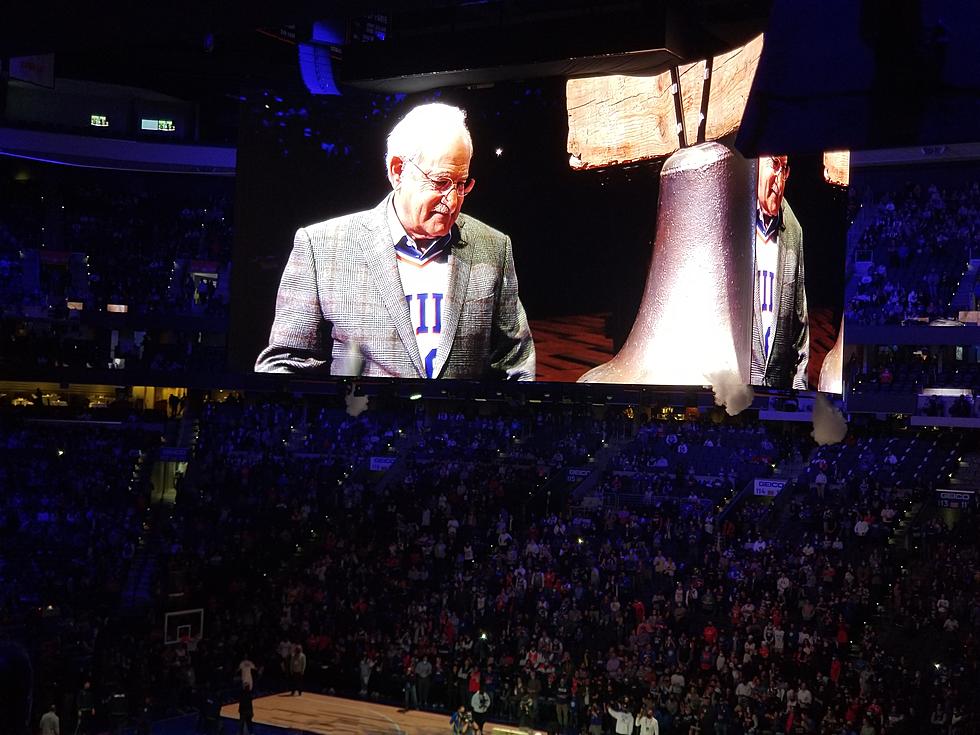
x=597 y=465
x=401 y=448
x=963 y=297
x=79 y=288
x=136 y=592
x=966 y=476
x=180 y=437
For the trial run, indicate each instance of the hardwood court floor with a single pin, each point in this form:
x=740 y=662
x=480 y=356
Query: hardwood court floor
x=568 y=346
x=823 y=334
x=318 y=713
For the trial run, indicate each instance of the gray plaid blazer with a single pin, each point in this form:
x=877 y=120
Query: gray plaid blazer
x=790 y=353
x=341 y=302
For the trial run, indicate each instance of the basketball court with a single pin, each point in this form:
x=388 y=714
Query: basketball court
x=318 y=713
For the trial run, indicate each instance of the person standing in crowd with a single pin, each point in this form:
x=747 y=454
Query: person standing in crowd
x=534 y=692
x=85 y=703
x=50 y=724
x=366 y=667
x=595 y=720
x=648 y=723
x=144 y=718
x=410 y=688
x=246 y=712
x=297 y=670
x=480 y=703
x=563 y=696
x=526 y=710
x=247 y=670
x=440 y=682
x=625 y=722
x=423 y=674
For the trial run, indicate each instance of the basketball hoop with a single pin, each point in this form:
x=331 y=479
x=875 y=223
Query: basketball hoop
x=183 y=626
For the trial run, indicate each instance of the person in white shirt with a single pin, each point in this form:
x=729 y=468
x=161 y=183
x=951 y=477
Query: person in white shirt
x=791 y=699
x=246 y=669
x=804 y=696
x=677 y=682
x=861 y=528
x=625 y=721
x=50 y=724
x=480 y=702
x=648 y=723
x=783 y=584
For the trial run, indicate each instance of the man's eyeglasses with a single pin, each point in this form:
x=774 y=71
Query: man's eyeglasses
x=443 y=185
x=779 y=166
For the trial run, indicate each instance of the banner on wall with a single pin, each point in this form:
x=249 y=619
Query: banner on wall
x=769 y=488
x=37 y=69
x=382 y=464
x=954 y=499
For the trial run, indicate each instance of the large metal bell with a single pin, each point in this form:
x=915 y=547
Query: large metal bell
x=695 y=318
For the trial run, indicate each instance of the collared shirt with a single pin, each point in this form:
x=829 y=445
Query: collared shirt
x=424 y=271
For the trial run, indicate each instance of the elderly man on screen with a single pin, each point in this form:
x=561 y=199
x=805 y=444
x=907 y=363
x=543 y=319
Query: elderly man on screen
x=411 y=288
x=780 y=323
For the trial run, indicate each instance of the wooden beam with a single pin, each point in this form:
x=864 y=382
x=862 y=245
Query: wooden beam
x=620 y=119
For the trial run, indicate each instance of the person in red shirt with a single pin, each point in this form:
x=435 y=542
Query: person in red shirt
x=710 y=634
x=639 y=610
x=707 y=658
x=835 y=668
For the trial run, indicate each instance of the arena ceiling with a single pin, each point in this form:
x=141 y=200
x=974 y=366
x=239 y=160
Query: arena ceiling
x=199 y=51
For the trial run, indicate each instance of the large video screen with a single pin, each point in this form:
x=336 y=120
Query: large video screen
x=493 y=258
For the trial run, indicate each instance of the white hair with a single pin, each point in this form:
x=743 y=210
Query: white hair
x=423 y=125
